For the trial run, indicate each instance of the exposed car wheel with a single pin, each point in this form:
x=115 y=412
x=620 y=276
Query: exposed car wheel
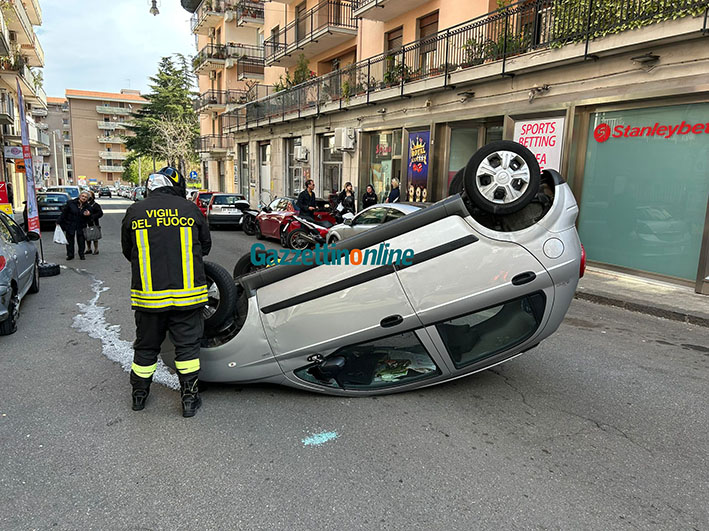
x=333 y=239
x=259 y=234
x=244 y=266
x=221 y=291
x=9 y=325
x=34 y=287
x=48 y=270
x=502 y=177
x=249 y=225
x=297 y=241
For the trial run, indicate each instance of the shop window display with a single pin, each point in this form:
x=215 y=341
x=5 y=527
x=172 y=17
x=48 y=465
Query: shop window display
x=645 y=188
x=385 y=162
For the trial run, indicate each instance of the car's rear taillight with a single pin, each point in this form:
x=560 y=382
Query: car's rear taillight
x=2 y=263
x=582 y=269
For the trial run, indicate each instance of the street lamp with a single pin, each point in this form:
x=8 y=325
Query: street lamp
x=154 y=8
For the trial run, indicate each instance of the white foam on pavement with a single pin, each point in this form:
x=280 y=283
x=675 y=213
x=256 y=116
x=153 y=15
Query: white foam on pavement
x=92 y=321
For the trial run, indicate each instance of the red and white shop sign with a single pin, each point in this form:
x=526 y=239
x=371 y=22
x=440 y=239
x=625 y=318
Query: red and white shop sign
x=604 y=132
x=543 y=138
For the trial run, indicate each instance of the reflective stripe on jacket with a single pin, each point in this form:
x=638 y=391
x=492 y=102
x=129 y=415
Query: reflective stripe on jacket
x=165 y=236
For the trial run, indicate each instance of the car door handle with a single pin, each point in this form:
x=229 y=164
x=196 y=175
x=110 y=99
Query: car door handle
x=523 y=278
x=390 y=321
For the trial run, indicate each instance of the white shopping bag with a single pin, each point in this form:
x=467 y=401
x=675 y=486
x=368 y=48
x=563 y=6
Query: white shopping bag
x=59 y=236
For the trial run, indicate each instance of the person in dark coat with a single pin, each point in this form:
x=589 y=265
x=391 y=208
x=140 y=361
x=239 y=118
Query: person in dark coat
x=370 y=197
x=306 y=203
x=96 y=214
x=347 y=200
x=73 y=219
x=395 y=192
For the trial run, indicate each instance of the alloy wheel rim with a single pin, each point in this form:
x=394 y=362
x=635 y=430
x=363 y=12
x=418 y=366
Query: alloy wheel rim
x=212 y=301
x=502 y=177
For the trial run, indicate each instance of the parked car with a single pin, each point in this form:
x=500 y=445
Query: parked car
x=274 y=220
x=369 y=218
x=493 y=272
x=49 y=205
x=226 y=209
x=138 y=193
x=104 y=191
x=201 y=199
x=19 y=270
x=73 y=191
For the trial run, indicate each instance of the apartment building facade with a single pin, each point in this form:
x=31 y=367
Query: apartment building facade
x=615 y=95
x=58 y=126
x=98 y=122
x=229 y=65
x=21 y=57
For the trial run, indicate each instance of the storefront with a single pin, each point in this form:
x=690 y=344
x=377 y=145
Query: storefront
x=331 y=171
x=298 y=168
x=383 y=162
x=643 y=188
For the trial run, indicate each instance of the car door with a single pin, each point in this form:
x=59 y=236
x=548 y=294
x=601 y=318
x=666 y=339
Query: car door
x=24 y=253
x=272 y=220
x=368 y=219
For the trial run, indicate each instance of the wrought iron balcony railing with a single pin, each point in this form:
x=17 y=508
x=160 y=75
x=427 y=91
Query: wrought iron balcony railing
x=208 y=143
x=249 y=13
x=496 y=36
x=325 y=16
x=210 y=53
x=220 y=98
x=207 y=11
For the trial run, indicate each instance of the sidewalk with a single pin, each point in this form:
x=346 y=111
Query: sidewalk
x=638 y=294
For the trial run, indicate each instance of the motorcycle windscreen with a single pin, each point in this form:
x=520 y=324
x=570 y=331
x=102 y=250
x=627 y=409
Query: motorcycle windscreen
x=324 y=308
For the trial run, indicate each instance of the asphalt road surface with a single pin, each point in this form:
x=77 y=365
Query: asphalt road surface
x=604 y=426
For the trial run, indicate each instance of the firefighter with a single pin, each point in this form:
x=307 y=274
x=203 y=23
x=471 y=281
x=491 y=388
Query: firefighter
x=165 y=237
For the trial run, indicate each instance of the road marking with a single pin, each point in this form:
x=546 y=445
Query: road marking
x=320 y=438
x=92 y=321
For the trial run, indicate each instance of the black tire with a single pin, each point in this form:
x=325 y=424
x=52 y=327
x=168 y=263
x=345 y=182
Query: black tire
x=49 y=270
x=9 y=325
x=456 y=186
x=244 y=266
x=295 y=240
x=259 y=234
x=333 y=239
x=222 y=297
x=500 y=206
x=249 y=225
x=34 y=287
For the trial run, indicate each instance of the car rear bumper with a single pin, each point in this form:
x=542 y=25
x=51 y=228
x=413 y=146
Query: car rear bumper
x=225 y=219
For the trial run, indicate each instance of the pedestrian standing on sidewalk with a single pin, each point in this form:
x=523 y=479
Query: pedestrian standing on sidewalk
x=165 y=237
x=73 y=219
x=395 y=192
x=93 y=234
x=370 y=197
x=306 y=203
x=346 y=201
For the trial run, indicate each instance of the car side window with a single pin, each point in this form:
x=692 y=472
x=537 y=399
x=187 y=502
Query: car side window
x=4 y=231
x=383 y=362
x=373 y=216
x=18 y=235
x=393 y=213
x=476 y=336
x=274 y=204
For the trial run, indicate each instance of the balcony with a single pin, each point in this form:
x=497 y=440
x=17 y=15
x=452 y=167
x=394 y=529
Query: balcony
x=12 y=68
x=113 y=155
x=209 y=14
x=44 y=152
x=249 y=14
x=7 y=109
x=110 y=169
x=110 y=109
x=214 y=143
x=248 y=59
x=42 y=126
x=20 y=23
x=384 y=10
x=211 y=57
x=66 y=139
x=325 y=26
x=516 y=38
x=110 y=126
x=111 y=140
x=38 y=111
x=34 y=12
x=43 y=138
x=69 y=167
x=217 y=100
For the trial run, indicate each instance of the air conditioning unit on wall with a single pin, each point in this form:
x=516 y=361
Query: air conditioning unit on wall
x=300 y=153
x=345 y=138
x=230 y=63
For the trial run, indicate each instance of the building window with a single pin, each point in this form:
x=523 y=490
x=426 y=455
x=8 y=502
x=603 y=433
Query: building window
x=110 y=177
x=385 y=162
x=300 y=21
x=297 y=171
x=244 y=169
x=428 y=27
x=395 y=39
x=331 y=167
x=222 y=176
x=275 y=35
x=464 y=141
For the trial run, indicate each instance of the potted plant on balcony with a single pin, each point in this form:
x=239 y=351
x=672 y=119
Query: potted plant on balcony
x=474 y=53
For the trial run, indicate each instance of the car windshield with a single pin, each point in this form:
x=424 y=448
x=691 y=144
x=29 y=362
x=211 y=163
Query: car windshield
x=227 y=199
x=72 y=191
x=52 y=199
x=204 y=199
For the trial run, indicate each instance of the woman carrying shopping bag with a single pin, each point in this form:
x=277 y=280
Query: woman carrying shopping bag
x=92 y=232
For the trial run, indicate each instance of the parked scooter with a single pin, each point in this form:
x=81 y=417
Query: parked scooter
x=308 y=234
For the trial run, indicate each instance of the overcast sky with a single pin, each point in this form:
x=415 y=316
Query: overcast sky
x=102 y=44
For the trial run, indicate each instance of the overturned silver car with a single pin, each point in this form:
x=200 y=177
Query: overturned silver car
x=494 y=270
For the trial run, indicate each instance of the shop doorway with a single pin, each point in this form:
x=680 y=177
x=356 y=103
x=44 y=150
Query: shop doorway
x=265 y=173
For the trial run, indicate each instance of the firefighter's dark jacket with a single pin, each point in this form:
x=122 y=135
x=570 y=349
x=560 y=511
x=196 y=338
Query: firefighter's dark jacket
x=165 y=236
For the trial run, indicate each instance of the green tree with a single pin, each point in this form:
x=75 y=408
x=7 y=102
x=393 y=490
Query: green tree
x=167 y=126
x=136 y=168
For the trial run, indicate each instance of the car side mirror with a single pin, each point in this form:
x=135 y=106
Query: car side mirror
x=331 y=367
x=267 y=209
x=33 y=236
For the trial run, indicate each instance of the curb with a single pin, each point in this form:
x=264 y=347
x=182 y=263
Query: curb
x=641 y=307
